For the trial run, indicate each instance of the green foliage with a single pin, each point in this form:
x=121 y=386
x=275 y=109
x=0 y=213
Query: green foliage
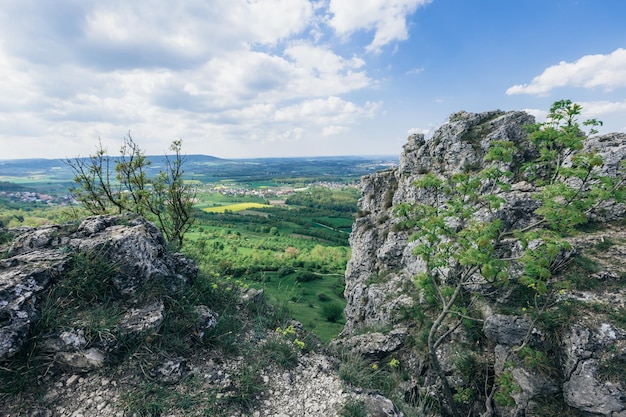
x=358 y=372
x=507 y=387
x=332 y=311
x=291 y=268
x=323 y=297
x=384 y=376
x=613 y=369
x=536 y=360
x=353 y=408
x=306 y=276
x=248 y=386
x=463 y=242
x=553 y=405
x=319 y=197
x=86 y=296
x=557 y=139
x=580 y=271
x=104 y=184
x=5 y=236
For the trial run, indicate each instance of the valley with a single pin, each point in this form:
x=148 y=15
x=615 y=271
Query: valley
x=278 y=224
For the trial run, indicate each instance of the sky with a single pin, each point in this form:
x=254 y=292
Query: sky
x=279 y=78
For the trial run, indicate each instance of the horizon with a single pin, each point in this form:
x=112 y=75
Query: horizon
x=364 y=156
x=239 y=79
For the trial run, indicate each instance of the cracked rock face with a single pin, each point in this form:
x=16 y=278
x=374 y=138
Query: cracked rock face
x=585 y=348
x=38 y=257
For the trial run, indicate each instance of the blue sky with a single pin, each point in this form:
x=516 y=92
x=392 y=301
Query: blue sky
x=263 y=78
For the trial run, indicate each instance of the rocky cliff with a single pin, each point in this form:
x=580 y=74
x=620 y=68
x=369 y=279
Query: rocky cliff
x=583 y=335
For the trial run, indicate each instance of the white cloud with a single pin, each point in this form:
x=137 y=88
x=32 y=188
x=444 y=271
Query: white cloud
x=601 y=108
x=540 y=115
x=386 y=17
x=224 y=75
x=415 y=71
x=417 y=130
x=590 y=71
x=334 y=130
x=326 y=112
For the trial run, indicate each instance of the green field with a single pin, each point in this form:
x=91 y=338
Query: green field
x=307 y=300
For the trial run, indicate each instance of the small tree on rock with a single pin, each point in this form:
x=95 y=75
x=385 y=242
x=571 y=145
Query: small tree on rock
x=105 y=184
x=466 y=247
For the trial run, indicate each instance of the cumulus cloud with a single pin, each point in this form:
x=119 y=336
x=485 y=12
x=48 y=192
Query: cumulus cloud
x=419 y=131
x=387 y=18
x=234 y=71
x=540 y=115
x=590 y=71
x=601 y=108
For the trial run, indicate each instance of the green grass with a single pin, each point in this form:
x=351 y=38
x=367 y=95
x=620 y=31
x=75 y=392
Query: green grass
x=304 y=302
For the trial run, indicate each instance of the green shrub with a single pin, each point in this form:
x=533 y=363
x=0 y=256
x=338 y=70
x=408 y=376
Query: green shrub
x=285 y=270
x=306 y=276
x=323 y=297
x=353 y=408
x=332 y=312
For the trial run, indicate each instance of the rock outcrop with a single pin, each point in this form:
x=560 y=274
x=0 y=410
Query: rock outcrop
x=588 y=359
x=103 y=290
x=39 y=257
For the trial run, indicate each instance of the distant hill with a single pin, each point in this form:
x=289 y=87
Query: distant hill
x=209 y=169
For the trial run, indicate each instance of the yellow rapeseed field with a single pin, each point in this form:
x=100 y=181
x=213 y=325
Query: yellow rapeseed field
x=235 y=207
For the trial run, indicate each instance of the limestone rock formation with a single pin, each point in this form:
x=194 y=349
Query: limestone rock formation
x=86 y=368
x=381 y=295
x=38 y=257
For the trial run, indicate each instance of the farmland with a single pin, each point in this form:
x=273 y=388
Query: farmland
x=281 y=225
x=235 y=207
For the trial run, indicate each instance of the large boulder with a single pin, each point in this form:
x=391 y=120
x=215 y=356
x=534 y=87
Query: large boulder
x=39 y=257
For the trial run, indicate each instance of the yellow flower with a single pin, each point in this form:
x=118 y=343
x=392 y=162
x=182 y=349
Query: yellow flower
x=375 y=367
x=394 y=363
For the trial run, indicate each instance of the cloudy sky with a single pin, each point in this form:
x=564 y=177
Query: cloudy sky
x=261 y=78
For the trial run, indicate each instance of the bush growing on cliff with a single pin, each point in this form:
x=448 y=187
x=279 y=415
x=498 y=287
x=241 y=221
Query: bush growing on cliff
x=465 y=245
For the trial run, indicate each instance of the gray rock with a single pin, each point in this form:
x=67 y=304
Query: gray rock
x=207 y=320
x=374 y=345
x=172 y=371
x=376 y=405
x=506 y=330
x=380 y=273
x=39 y=257
x=582 y=388
x=83 y=360
x=23 y=280
x=146 y=319
x=65 y=341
